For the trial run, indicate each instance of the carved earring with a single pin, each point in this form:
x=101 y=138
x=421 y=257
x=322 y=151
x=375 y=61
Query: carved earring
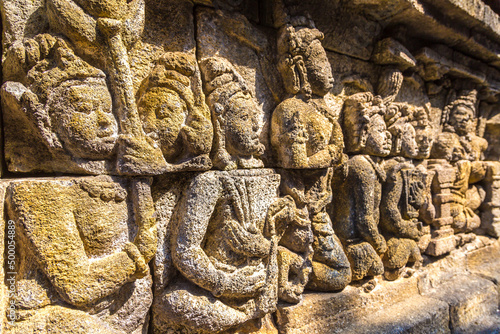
x=222 y=159
x=363 y=137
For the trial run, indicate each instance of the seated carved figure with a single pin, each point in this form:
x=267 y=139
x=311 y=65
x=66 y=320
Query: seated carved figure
x=82 y=264
x=64 y=111
x=459 y=141
x=459 y=145
x=226 y=227
x=403 y=195
x=175 y=116
x=307 y=141
x=356 y=199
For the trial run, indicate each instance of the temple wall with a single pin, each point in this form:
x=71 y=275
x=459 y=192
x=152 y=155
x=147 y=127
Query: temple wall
x=250 y=166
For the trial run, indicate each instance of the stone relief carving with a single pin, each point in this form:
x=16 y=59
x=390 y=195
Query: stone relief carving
x=355 y=205
x=270 y=181
x=306 y=136
x=234 y=112
x=225 y=251
x=174 y=114
x=103 y=37
x=226 y=227
x=64 y=112
x=83 y=258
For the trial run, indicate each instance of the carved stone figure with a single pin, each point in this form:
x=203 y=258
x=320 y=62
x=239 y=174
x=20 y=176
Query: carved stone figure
x=226 y=226
x=225 y=251
x=174 y=114
x=404 y=190
x=64 y=111
x=84 y=245
x=403 y=195
x=356 y=199
x=234 y=113
x=305 y=135
x=457 y=152
x=105 y=29
x=459 y=141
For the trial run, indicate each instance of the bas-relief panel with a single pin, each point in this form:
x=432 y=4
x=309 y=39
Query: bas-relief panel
x=280 y=167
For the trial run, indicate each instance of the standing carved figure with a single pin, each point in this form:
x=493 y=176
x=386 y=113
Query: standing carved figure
x=308 y=143
x=84 y=248
x=356 y=201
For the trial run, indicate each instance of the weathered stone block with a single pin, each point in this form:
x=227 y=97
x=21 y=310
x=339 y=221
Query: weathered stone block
x=416 y=315
x=469 y=297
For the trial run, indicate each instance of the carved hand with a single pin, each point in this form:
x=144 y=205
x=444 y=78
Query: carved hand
x=379 y=244
x=146 y=239
x=244 y=282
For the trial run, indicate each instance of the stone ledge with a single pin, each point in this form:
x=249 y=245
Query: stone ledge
x=455 y=294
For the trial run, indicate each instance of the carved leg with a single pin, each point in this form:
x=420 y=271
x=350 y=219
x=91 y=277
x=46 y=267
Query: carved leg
x=331 y=269
x=364 y=261
x=400 y=252
x=184 y=307
x=293 y=274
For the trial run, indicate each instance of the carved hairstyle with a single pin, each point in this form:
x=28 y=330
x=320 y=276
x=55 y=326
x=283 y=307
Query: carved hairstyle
x=175 y=71
x=221 y=82
x=294 y=39
x=51 y=67
x=359 y=109
x=469 y=101
x=398 y=119
x=54 y=64
x=389 y=84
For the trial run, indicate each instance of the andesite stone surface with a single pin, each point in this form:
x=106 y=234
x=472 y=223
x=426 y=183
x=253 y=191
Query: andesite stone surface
x=250 y=166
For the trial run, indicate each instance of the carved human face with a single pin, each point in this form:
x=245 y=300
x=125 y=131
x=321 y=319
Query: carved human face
x=163 y=113
x=378 y=141
x=84 y=121
x=462 y=120
x=409 y=146
x=424 y=141
x=242 y=128
x=319 y=71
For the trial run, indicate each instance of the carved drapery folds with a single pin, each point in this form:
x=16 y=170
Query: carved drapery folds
x=227 y=160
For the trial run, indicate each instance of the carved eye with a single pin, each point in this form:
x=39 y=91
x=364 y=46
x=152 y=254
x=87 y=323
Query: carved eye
x=86 y=107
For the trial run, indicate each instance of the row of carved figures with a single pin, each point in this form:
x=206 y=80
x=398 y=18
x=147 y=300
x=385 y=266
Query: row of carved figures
x=351 y=196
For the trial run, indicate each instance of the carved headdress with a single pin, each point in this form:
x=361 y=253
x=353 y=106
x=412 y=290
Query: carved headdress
x=222 y=84
x=50 y=66
x=294 y=39
x=468 y=100
x=54 y=64
x=358 y=112
x=177 y=71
